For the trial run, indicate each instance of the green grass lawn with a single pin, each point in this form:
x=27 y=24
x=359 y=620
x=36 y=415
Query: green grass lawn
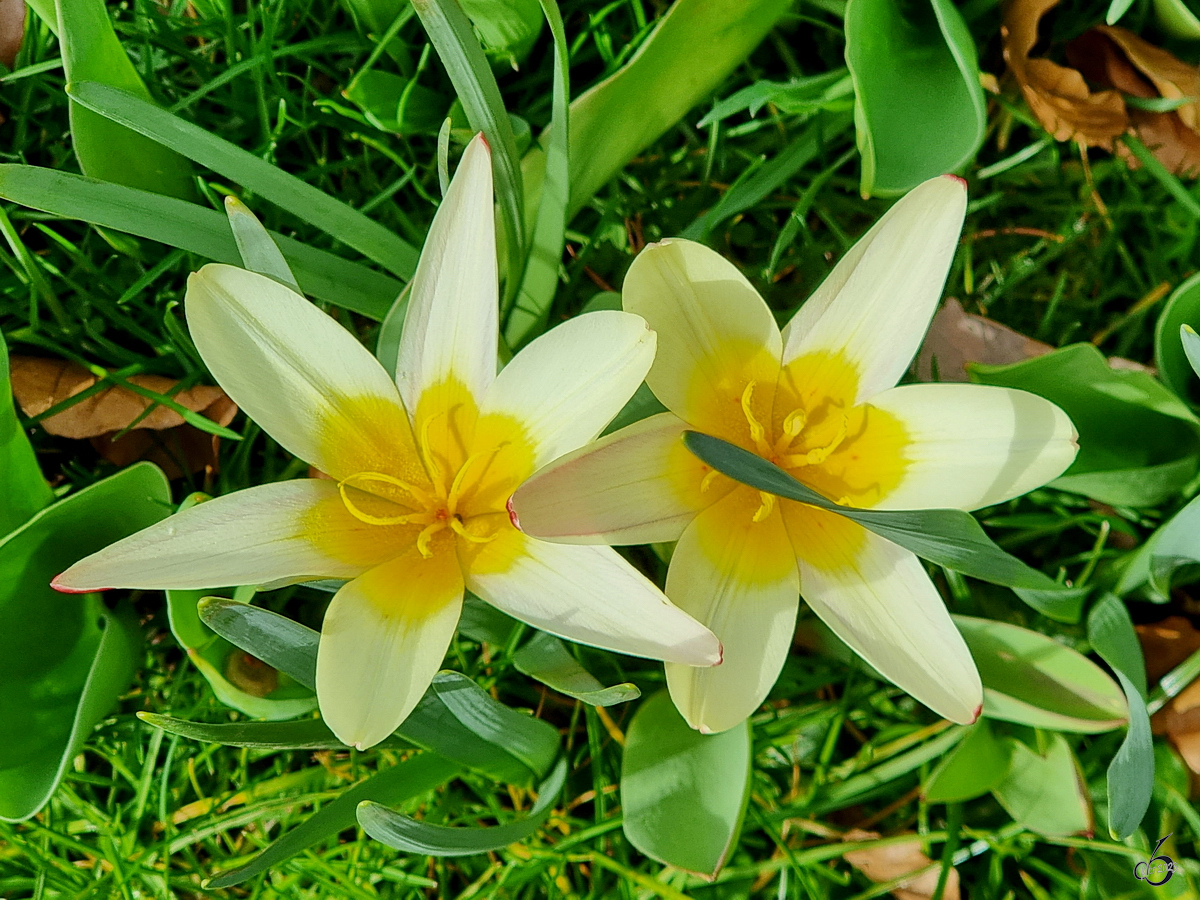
x=1062 y=248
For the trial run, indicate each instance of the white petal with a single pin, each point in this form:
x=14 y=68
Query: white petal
x=972 y=445
x=639 y=485
x=297 y=373
x=715 y=333
x=570 y=382
x=383 y=639
x=876 y=305
x=877 y=598
x=592 y=596
x=739 y=578
x=451 y=328
x=273 y=532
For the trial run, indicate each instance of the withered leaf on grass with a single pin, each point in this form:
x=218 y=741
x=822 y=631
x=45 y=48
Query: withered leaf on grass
x=12 y=30
x=1165 y=645
x=160 y=435
x=957 y=338
x=894 y=861
x=1118 y=64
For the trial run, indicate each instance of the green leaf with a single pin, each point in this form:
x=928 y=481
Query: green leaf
x=1170 y=345
x=508 y=28
x=528 y=317
x=830 y=90
x=396 y=784
x=451 y=34
x=1139 y=444
x=1174 y=553
x=1033 y=679
x=456 y=718
x=396 y=104
x=971 y=769
x=22 y=486
x=255 y=245
x=683 y=793
x=1176 y=19
x=404 y=833
x=1046 y=792
x=288 y=192
x=106 y=150
x=192 y=227
x=1191 y=346
x=64 y=659
x=1116 y=9
x=1131 y=772
x=547 y=659
x=692 y=50
x=921 y=110
x=303 y=734
x=949 y=537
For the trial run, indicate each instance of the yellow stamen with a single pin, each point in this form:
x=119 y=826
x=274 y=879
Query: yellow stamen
x=459 y=528
x=757 y=432
x=431 y=463
x=707 y=481
x=793 y=424
x=817 y=455
x=426 y=535
x=363 y=516
x=456 y=487
x=768 y=504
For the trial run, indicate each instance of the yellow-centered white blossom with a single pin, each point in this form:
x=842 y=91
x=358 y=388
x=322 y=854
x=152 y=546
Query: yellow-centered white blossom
x=819 y=400
x=420 y=471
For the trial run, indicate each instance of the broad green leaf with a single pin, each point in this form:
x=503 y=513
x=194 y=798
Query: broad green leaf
x=456 y=718
x=920 y=110
x=949 y=537
x=22 y=485
x=691 y=51
x=1131 y=772
x=547 y=659
x=64 y=658
x=757 y=183
x=255 y=245
x=404 y=833
x=540 y=280
x=1033 y=679
x=301 y=734
x=1046 y=792
x=683 y=794
x=1170 y=353
x=1176 y=19
x=396 y=784
x=481 y=622
x=971 y=769
x=1191 y=346
x=1139 y=444
x=451 y=34
x=1173 y=552
x=397 y=104
x=508 y=28
x=106 y=150
x=288 y=192
x=192 y=227
x=807 y=94
x=1110 y=877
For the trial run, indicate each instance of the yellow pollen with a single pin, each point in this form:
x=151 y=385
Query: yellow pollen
x=764 y=510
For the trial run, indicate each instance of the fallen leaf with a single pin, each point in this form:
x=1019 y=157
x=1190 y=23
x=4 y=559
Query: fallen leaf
x=160 y=435
x=897 y=860
x=956 y=338
x=12 y=30
x=1057 y=95
x=1165 y=645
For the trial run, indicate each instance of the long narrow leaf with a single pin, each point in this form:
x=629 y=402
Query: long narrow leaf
x=390 y=786
x=532 y=309
x=452 y=36
x=547 y=659
x=949 y=537
x=1131 y=772
x=302 y=734
x=408 y=834
x=288 y=192
x=22 y=486
x=192 y=227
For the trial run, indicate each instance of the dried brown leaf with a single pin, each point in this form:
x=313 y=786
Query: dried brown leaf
x=12 y=30
x=1058 y=96
x=897 y=860
x=160 y=435
x=1165 y=645
x=957 y=338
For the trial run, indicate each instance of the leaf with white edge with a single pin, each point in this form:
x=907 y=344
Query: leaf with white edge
x=1046 y=792
x=547 y=659
x=971 y=769
x=396 y=784
x=408 y=834
x=288 y=192
x=455 y=718
x=1131 y=772
x=683 y=793
x=259 y=251
x=1033 y=679
x=949 y=537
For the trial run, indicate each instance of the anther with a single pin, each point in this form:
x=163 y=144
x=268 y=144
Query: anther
x=757 y=432
x=456 y=524
x=764 y=510
x=707 y=481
